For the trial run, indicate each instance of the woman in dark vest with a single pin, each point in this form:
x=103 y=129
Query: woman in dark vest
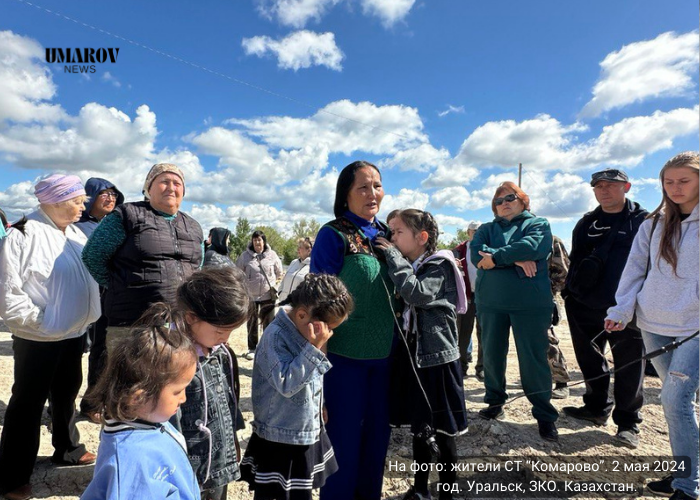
x=142 y=251
x=356 y=390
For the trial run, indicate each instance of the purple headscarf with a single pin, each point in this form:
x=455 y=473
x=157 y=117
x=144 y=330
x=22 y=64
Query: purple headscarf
x=57 y=188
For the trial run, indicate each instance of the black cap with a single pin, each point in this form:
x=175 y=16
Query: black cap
x=610 y=175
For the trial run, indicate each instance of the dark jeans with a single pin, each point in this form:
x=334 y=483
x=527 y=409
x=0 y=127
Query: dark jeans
x=96 y=360
x=264 y=312
x=41 y=368
x=465 y=325
x=626 y=346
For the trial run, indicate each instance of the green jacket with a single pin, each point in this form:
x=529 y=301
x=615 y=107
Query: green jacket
x=505 y=287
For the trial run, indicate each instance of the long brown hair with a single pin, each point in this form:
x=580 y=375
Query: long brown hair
x=671 y=233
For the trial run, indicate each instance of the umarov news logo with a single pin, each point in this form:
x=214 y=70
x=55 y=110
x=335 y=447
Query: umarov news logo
x=81 y=60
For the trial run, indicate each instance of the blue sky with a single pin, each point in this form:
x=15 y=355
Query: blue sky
x=445 y=96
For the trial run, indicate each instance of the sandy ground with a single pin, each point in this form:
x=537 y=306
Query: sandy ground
x=514 y=438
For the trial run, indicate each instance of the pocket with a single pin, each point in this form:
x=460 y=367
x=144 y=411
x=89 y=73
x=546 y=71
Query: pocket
x=145 y=276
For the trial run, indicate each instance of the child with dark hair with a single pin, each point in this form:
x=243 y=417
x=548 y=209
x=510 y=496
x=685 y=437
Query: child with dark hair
x=429 y=395
x=141 y=455
x=214 y=302
x=289 y=452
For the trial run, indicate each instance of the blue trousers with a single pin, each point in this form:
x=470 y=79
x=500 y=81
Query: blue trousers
x=357 y=400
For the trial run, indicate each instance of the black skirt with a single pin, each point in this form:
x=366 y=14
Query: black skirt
x=278 y=471
x=444 y=390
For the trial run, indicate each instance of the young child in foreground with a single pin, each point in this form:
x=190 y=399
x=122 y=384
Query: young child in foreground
x=433 y=291
x=141 y=455
x=289 y=452
x=214 y=302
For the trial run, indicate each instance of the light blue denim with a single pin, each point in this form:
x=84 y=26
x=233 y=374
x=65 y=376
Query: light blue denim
x=678 y=371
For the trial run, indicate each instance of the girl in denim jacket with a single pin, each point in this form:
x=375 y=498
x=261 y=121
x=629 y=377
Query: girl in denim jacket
x=431 y=398
x=214 y=302
x=289 y=452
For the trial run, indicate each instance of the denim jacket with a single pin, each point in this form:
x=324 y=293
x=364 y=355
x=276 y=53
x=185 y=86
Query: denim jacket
x=287 y=389
x=432 y=293
x=212 y=418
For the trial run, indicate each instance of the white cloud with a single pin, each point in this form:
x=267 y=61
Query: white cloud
x=110 y=78
x=451 y=109
x=421 y=158
x=407 y=198
x=300 y=50
x=343 y=127
x=450 y=221
x=388 y=11
x=295 y=13
x=25 y=83
x=18 y=200
x=662 y=67
x=210 y=216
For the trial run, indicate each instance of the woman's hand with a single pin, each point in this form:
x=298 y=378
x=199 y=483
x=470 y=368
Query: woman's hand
x=382 y=243
x=529 y=266
x=318 y=333
x=614 y=326
x=486 y=262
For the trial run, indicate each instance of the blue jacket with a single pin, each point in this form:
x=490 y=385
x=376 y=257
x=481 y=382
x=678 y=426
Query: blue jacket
x=139 y=460
x=287 y=385
x=432 y=292
x=93 y=186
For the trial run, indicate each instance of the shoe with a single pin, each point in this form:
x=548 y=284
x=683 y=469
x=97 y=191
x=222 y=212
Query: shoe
x=480 y=375
x=250 y=355
x=583 y=413
x=412 y=494
x=87 y=458
x=492 y=412
x=548 y=431
x=627 y=437
x=661 y=487
x=560 y=391
x=681 y=495
x=20 y=493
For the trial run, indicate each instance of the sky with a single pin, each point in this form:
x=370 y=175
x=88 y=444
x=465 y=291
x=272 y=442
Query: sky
x=263 y=102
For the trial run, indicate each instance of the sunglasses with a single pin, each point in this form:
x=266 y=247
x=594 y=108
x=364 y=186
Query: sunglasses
x=509 y=198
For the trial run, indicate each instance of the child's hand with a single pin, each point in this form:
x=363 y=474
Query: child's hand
x=318 y=333
x=383 y=243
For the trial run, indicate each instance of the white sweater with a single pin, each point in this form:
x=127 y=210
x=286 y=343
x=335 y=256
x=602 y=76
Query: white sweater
x=296 y=273
x=46 y=294
x=665 y=303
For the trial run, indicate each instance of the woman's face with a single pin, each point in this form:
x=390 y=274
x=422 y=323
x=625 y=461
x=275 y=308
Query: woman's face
x=258 y=244
x=509 y=209
x=65 y=213
x=166 y=193
x=366 y=193
x=303 y=251
x=681 y=186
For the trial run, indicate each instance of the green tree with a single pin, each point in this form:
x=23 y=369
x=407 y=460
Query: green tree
x=461 y=236
x=305 y=228
x=240 y=238
x=284 y=247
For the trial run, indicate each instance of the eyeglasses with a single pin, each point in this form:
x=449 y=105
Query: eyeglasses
x=509 y=198
x=108 y=194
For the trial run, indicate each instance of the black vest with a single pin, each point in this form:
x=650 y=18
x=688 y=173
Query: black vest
x=155 y=258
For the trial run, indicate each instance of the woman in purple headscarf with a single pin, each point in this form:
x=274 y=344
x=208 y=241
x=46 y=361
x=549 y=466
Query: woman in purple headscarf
x=47 y=300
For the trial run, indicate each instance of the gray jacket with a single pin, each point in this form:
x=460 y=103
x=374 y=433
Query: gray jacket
x=432 y=292
x=253 y=265
x=287 y=389
x=666 y=304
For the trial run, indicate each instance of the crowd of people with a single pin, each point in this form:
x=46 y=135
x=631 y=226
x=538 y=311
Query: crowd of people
x=369 y=329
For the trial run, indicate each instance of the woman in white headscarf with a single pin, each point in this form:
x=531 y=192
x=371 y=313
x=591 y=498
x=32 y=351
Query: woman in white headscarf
x=47 y=300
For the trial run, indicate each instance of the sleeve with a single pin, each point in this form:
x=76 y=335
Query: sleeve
x=240 y=261
x=535 y=244
x=16 y=307
x=289 y=374
x=417 y=292
x=479 y=241
x=279 y=272
x=633 y=277
x=108 y=236
x=328 y=252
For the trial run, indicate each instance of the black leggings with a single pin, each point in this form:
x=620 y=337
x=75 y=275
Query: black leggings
x=422 y=454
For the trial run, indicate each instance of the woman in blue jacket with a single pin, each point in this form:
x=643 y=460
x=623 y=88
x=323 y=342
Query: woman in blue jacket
x=513 y=291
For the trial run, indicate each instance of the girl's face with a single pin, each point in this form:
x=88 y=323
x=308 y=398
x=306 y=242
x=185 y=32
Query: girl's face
x=301 y=318
x=410 y=244
x=206 y=334
x=681 y=186
x=171 y=397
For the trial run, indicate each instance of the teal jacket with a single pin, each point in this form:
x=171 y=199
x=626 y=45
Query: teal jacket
x=505 y=287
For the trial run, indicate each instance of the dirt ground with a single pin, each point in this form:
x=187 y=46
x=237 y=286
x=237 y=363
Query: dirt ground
x=514 y=438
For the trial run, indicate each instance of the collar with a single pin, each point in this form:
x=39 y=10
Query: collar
x=360 y=222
